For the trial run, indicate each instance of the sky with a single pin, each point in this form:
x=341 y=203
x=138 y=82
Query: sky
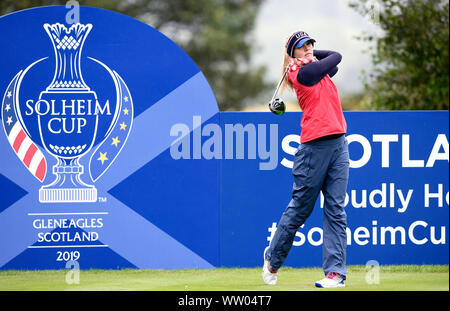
x=332 y=23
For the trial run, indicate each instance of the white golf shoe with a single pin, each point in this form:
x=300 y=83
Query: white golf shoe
x=332 y=280
x=269 y=276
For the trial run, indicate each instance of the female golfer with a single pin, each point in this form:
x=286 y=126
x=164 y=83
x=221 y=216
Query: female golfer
x=321 y=162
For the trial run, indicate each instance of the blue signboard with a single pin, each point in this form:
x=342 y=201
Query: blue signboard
x=114 y=155
x=85 y=171
x=397 y=196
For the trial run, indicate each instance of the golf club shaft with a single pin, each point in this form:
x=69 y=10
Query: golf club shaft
x=279 y=83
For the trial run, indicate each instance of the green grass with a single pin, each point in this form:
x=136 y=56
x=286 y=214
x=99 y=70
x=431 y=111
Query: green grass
x=391 y=278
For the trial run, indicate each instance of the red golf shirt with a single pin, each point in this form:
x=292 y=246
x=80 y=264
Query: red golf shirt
x=320 y=103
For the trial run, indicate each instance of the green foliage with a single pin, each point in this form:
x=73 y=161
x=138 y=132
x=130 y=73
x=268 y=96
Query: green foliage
x=411 y=57
x=354 y=102
x=214 y=33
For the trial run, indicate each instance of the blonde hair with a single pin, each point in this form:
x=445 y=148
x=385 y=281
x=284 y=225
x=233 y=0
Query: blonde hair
x=286 y=83
x=286 y=59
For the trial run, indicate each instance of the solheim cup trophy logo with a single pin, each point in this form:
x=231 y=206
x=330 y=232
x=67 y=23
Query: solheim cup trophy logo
x=68 y=114
x=66 y=89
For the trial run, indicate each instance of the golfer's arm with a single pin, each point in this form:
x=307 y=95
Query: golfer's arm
x=321 y=54
x=312 y=73
x=333 y=71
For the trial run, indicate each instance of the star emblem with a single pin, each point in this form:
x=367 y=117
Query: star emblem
x=123 y=126
x=116 y=141
x=102 y=157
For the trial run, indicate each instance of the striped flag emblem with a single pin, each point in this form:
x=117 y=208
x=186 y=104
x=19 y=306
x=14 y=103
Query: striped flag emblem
x=27 y=151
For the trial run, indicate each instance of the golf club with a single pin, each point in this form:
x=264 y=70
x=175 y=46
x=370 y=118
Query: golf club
x=276 y=105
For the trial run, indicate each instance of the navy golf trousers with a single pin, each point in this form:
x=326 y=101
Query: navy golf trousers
x=318 y=166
